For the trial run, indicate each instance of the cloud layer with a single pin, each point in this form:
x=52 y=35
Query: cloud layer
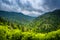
x=29 y=7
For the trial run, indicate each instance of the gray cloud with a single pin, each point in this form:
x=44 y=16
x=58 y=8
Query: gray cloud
x=30 y=7
x=52 y=4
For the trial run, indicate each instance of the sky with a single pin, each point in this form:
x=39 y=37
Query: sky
x=29 y=7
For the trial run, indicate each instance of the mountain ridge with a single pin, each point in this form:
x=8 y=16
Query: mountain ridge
x=14 y=16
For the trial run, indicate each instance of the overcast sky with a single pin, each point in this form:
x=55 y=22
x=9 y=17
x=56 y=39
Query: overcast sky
x=29 y=7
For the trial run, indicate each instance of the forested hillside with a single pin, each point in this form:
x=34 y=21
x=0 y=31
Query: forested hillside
x=44 y=27
x=16 y=17
x=47 y=22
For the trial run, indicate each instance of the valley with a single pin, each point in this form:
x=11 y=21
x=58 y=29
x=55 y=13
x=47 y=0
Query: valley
x=17 y=26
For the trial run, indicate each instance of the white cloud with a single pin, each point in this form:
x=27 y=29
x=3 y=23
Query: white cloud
x=32 y=13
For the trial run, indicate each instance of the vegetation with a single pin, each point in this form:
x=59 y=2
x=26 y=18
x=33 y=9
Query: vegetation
x=44 y=27
x=16 y=34
x=47 y=22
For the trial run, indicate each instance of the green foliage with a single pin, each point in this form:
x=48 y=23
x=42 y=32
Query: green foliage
x=16 y=34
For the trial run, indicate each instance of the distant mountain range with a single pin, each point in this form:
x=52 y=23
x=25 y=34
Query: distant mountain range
x=16 y=17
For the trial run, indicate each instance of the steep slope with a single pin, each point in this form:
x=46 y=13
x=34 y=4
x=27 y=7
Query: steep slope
x=16 y=17
x=47 y=22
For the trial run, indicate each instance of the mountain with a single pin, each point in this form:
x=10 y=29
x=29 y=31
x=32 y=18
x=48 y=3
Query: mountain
x=47 y=22
x=43 y=23
x=16 y=17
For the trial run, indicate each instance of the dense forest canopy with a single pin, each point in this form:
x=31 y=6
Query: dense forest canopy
x=44 y=27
